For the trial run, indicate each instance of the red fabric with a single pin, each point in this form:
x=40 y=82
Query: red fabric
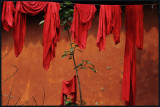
x=69 y=88
x=134 y=36
x=51 y=30
x=7 y=15
x=82 y=19
x=109 y=22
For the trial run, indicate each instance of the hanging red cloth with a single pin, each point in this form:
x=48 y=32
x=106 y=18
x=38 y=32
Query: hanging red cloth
x=109 y=22
x=134 y=37
x=51 y=30
x=69 y=88
x=82 y=19
x=7 y=15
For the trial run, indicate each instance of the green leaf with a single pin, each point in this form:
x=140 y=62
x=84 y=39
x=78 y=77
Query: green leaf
x=67 y=2
x=68 y=102
x=66 y=51
x=64 y=6
x=61 y=5
x=81 y=64
x=64 y=22
x=90 y=63
x=71 y=10
x=64 y=55
x=66 y=12
x=70 y=18
x=41 y=22
x=93 y=69
x=71 y=49
x=85 y=60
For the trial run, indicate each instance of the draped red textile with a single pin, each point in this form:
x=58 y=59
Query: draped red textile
x=109 y=22
x=82 y=19
x=51 y=30
x=134 y=37
x=7 y=15
x=69 y=88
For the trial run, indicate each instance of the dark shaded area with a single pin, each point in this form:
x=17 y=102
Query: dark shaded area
x=147 y=78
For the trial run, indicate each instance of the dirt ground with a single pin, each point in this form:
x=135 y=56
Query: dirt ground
x=101 y=88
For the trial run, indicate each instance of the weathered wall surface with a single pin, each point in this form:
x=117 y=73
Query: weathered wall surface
x=31 y=75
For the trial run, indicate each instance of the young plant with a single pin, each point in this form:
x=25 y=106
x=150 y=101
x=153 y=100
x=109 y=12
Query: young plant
x=66 y=17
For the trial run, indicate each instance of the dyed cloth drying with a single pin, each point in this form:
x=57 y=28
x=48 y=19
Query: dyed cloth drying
x=134 y=37
x=7 y=15
x=51 y=30
x=82 y=19
x=69 y=88
x=109 y=22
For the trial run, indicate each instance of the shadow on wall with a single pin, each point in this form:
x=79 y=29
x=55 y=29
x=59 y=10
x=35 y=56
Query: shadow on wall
x=147 y=77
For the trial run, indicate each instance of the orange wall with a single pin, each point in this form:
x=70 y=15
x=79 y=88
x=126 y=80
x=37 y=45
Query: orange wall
x=31 y=75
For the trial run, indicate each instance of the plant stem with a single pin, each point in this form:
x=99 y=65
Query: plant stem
x=18 y=99
x=43 y=96
x=10 y=94
x=76 y=70
x=12 y=74
x=34 y=100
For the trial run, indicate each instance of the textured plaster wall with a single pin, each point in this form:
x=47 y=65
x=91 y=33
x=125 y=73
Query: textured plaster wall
x=102 y=88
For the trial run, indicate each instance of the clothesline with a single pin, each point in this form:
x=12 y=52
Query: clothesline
x=117 y=4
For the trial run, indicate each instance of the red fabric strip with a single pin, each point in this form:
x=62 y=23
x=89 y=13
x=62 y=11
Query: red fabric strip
x=109 y=22
x=23 y=8
x=7 y=15
x=82 y=19
x=134 y=36
x=51 y=32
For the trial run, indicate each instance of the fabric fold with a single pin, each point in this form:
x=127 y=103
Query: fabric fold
x=134 y=37
x=51 y=32
x=51 y=29
x=7 y=15
x=82 y=19
x=69 y=88
x=23 y=8
x=109 y=22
